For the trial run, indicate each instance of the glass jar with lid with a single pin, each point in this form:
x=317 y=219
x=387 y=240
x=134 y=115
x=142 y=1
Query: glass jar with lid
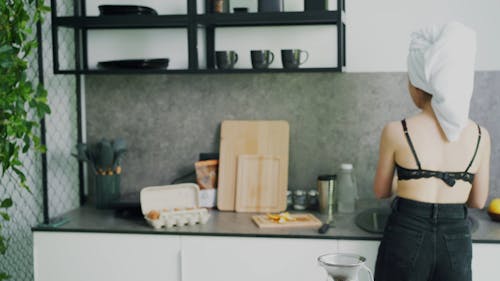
x=299 y=200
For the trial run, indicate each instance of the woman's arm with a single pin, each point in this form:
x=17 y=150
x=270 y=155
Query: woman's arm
x=385 y=167
x=480 y=185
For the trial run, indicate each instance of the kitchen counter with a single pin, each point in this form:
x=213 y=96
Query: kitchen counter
x=89 y=219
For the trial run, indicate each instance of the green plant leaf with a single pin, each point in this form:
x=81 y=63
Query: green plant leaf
x=5 y=216
x=4 y=276
x=3 y=245
x=6 y=203
x=5 y=49
x=18 y=96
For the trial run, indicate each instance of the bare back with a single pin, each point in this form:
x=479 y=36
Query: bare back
x=435 y=153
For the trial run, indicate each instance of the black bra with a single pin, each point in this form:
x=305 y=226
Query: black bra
x=448 y=177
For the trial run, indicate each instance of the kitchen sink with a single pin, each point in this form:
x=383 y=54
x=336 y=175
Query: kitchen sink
x=374 y=220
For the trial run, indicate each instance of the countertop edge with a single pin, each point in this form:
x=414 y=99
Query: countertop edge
x=214 y=234
x=87 y=219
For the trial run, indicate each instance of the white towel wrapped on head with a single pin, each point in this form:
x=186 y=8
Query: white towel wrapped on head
x=441 y=62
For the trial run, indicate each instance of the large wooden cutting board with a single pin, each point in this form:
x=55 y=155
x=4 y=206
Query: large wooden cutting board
x=257 y=184
x=302 y=220
x=250 y=137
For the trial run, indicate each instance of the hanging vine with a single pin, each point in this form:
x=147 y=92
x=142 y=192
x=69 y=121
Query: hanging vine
x=22 y=102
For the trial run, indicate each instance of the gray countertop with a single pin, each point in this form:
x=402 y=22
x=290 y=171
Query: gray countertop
x=89 y=219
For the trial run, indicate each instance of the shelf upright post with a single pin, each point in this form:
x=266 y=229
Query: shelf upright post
x=55 y=36
x=340 y=36
x=77 y=35
x=79 y=10
x=84 y=44
x=192 y=34
x=43 y=139
x=209 y=37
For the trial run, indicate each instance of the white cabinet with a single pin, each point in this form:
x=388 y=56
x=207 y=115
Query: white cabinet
x=250 y=259
x=63 y=256
x=485 y=261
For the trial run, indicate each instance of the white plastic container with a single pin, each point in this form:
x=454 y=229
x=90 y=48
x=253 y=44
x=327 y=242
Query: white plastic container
x=177 y=204
x=346 y=189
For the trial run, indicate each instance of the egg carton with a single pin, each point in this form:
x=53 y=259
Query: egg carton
x=169 y=219
x=177 y=205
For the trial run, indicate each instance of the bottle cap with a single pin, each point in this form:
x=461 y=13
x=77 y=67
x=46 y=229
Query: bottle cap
x=327 y=177
x=346 y=166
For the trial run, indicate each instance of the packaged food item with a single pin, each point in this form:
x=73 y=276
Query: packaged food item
x=173 y=205
x=206 y=173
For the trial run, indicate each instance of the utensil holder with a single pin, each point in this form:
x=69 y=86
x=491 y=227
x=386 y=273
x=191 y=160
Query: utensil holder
x=107 y=189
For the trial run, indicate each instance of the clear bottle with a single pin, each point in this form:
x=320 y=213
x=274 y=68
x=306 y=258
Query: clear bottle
x=346 y=189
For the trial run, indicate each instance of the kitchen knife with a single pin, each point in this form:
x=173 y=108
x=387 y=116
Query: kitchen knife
x=324 y=228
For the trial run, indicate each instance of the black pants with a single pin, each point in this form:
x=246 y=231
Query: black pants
x=424 y=242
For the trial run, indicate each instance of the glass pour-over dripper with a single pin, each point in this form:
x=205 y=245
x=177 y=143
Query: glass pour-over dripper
x=343 y=267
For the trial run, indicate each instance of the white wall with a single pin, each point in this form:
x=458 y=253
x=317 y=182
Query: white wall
x=377 y=34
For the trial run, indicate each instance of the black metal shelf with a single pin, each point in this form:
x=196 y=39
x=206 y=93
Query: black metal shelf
x=217 y=20
x=125 y=71
x=191 y=21
x=126 y=21
x=275 y=18
x=196 y=71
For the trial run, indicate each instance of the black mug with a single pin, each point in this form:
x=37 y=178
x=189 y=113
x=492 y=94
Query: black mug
x=261 y=58
x=315 y=5
x=291 y=57
x=226 y=59
x=271 y=5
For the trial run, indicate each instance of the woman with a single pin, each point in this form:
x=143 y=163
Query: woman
x=442 y=161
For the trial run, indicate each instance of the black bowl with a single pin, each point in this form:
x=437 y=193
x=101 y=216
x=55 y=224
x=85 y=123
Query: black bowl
x=113 y=10
x=240 y=10
x=135 y=64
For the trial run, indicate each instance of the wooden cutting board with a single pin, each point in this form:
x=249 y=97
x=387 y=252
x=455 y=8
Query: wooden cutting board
x=250 y=137
x=257 y=184
x=302 y=220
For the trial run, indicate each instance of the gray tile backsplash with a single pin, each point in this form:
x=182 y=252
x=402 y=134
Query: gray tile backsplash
x=334 y=118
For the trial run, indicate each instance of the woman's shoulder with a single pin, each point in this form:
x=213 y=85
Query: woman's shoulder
x=484 y=149
x=392 y=132
x=485 y=134
x=393 y=127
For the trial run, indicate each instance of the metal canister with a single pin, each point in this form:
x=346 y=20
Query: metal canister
x=327 y=191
